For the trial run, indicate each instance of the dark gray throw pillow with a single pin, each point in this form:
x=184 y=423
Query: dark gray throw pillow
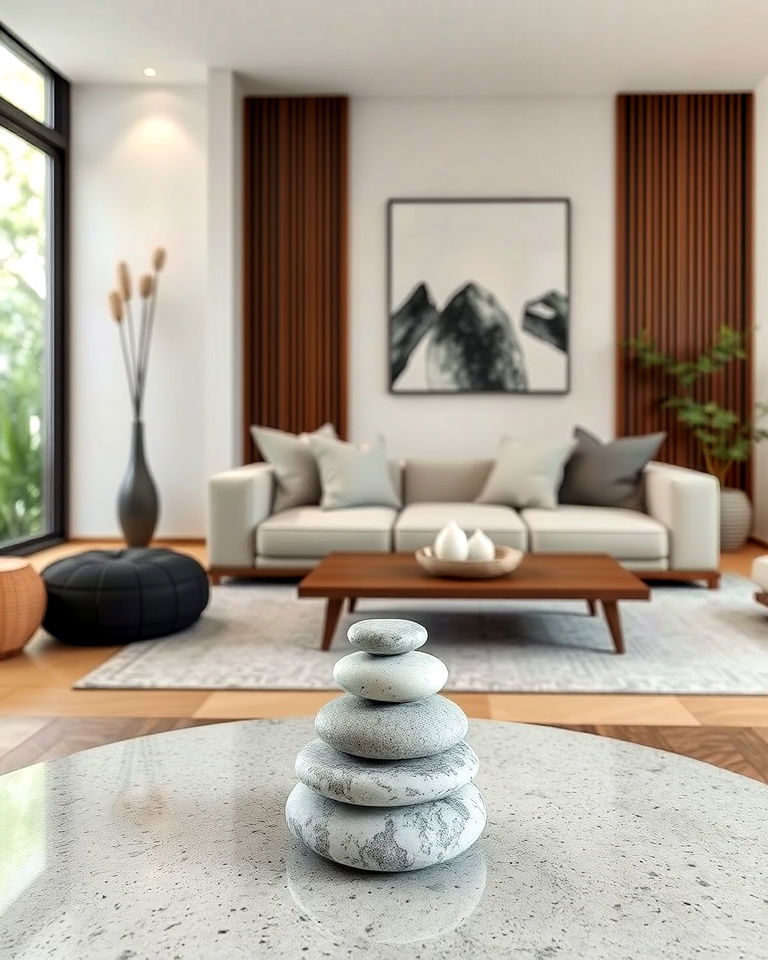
x=608 y=474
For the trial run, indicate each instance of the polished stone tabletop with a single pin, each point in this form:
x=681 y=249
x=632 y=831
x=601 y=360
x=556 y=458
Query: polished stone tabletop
x=174 y=846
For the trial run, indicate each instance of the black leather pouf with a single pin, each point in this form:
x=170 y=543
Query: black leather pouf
x=116 y=596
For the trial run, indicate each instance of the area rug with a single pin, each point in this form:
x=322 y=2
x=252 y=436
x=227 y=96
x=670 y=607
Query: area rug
x=261 y=637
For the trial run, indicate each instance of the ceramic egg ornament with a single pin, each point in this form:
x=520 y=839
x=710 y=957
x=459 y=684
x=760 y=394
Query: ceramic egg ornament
x=480 y=547
x=451 y=543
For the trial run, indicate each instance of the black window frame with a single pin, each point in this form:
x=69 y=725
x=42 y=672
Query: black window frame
x=53 y=139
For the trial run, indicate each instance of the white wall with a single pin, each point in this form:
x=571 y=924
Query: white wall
x=467 y=148
x=138 y=181
x=223 y=343
x=160 y=166
x=761 y=299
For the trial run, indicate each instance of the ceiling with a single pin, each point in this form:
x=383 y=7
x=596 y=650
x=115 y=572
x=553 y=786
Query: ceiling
x=407 y=47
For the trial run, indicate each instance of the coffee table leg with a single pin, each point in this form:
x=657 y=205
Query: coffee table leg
x=592 y=604
x=611 y=611
x=333 y=606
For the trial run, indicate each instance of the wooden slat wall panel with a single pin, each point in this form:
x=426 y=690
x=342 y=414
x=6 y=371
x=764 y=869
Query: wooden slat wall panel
x=684 y=248
x=295 y=264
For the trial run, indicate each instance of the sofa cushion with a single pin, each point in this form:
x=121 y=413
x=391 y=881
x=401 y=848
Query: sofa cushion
x=438 y=481
x=313 y=532
x=296 y=474
x=625 y=534
x=608 y=474
x=526 y=474
x=353 y=476
x=419 y=523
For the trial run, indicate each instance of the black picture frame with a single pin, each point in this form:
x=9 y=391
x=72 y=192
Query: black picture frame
x=390 y=306
x=53 y=138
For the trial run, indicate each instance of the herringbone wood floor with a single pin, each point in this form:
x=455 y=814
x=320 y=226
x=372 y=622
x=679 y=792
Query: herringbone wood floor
x=41 y=716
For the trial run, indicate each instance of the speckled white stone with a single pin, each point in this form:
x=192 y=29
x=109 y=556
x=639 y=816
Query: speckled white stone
x=175 y=845
x=385 y=783
x=387 y=637
x=391 y=731
x=410 y=676
x=386 y=838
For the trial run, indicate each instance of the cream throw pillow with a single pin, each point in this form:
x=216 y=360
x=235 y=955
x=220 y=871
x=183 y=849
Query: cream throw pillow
x=352 y=476
x=526 y=475
x=297 y=481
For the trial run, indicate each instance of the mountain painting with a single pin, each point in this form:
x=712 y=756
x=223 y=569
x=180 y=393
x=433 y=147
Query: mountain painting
x=479 y=298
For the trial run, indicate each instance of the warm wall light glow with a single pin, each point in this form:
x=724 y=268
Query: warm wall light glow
x=150 y=72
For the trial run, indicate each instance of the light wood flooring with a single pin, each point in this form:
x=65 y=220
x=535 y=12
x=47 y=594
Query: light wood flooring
x=38 y=705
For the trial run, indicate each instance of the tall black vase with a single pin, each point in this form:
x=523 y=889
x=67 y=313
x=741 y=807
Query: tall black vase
x=138 y=504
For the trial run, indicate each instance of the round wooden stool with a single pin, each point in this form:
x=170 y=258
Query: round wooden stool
x=22 y=604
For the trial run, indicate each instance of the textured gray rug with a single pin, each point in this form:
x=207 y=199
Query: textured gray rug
x=258 y=637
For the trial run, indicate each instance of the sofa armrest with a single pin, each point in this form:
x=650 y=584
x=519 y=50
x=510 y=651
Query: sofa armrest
x=687 y=502
x=238 y=501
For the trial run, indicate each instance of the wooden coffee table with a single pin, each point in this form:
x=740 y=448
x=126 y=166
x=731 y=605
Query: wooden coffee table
x=593 y=577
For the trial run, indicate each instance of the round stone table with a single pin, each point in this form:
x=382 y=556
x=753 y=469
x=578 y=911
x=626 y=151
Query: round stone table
x=175 y=846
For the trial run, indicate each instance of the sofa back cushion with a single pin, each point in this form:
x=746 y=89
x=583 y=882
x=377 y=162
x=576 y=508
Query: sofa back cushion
x=444 y=481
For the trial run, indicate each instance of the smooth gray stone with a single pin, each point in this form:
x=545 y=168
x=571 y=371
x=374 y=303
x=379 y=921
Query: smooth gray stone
x=391 y=731
x=411 y=676
x=385 y=783
x=386 y=838
x=387 y=637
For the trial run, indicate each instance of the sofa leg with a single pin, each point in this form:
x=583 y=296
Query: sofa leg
x=215 y=579
x=713 y=581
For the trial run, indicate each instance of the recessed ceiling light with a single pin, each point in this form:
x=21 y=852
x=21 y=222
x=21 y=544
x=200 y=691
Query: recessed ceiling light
x=150 y=72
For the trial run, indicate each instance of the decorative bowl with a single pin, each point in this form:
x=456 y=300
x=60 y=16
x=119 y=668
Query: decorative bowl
x=505 y=561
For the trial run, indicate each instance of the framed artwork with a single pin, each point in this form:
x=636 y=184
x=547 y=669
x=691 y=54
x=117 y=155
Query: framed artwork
x=479 y=296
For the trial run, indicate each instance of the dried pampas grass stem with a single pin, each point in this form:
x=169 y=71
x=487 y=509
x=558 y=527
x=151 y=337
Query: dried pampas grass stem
x=136 y=350
x=116 y=306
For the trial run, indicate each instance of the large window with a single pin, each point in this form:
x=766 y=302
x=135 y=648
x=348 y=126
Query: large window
x=33 y=183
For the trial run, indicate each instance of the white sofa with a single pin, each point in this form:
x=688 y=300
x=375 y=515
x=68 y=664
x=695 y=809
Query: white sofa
x=677 y=538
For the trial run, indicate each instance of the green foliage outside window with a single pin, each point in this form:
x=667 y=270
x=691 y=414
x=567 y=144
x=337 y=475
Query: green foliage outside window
x=22 y=336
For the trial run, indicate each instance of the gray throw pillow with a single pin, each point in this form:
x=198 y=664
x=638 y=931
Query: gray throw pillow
x=608 y=474
x=526 y=475
x=353 y=476
x=297 y=481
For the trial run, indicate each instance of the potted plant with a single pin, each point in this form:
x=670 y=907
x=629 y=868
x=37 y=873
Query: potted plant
x=724 y=436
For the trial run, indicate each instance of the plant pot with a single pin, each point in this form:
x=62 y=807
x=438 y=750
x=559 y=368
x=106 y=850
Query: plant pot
x=138 y=505
x=735 y=519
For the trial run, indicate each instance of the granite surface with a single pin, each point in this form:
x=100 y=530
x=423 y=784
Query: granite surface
x=387 y=636
x=385 y=783
x=175 y=846
x=391 y=731
x=410 y=676
x=399 y=908
x=386 y=838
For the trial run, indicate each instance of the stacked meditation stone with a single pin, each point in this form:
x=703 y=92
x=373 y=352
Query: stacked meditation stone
x=388 y=784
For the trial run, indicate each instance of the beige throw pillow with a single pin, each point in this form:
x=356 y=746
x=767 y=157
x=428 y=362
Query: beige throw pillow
x=526 y=475
x=352 y=476
x=297 y=481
